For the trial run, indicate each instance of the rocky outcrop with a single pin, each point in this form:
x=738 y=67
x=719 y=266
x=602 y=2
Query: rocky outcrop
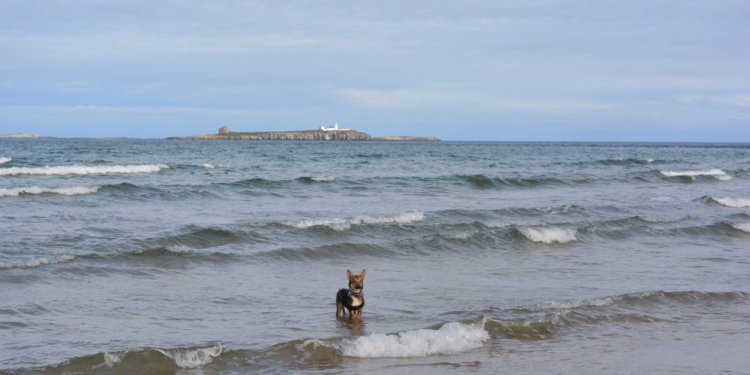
x=307 y=135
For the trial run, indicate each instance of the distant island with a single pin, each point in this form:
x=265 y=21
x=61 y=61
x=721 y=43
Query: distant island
x=333 y=133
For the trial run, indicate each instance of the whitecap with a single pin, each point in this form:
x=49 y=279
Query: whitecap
x=193 y=358
x=745 y=227
x=549 y=235
x=82 y=170
x=451 y=338
x=38 y=262
x=732 y=202
x=208 y=166
x=715 y=173
x=322 y=178
x=36 y=190
x=5 y=160
x=345 y=224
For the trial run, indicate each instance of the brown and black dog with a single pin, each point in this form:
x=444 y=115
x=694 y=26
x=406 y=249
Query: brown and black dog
x=353 y=299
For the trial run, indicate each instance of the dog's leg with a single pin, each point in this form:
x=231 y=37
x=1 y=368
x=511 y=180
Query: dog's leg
x=339 y=309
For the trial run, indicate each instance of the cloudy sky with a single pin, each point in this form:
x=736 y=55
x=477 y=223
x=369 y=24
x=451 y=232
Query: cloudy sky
x=462 y=70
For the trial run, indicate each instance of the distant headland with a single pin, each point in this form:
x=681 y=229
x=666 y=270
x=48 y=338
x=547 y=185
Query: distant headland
x=20 y=135
x=333 y=133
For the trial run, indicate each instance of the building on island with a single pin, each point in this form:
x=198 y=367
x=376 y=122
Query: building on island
x=224 y=130
x=333 y=128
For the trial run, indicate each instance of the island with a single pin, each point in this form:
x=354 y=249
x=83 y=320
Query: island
x=20 y=136
x=333 y=133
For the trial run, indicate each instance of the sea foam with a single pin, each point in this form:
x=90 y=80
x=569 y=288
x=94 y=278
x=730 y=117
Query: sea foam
x=745 y=227
x=732 y=202
x=193 y=358
x=345 y=224
x=82 y=170
x=451 y=338
x=36 y=190
x=38 y=262
x=5 y=160
x=549 y=235
x=715 y=173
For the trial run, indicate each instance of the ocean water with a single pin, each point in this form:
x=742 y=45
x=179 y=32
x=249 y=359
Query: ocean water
x=224 y=257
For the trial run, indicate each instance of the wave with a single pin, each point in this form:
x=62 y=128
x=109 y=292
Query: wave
x=34 y=263
x=208 y=166
x=549 y=236
x=36 y=190
x=480 y=181
x=183 y=358
x=625 y=161
x=325 y=252
x=527 y=323
x=692 y=175
x=83 y=170
x=730 y=202
x=346 y=224
x=316 y=179
x=451 y=338
x=5 y=160
x=744 y=227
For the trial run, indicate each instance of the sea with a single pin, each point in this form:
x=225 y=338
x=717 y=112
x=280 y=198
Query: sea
x=146 y=256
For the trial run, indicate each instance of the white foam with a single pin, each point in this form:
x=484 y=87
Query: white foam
x=549 y=235
x=110 y=359
x=745 y=227
x=193 y=358
x=505 y=224
x=345 y=224
x=715 y=173
x=449 y=339
x=38 y=262
x=732 y=202
x=322 y=178
x=36 y=190
x=208 y=166
x=5 y=160
x=179 y=249
x=82 y=170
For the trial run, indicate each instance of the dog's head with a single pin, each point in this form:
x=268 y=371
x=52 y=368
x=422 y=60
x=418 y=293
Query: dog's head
x=356 y=282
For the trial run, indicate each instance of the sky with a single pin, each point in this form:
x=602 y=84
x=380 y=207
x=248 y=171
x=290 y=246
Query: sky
x=494 y=70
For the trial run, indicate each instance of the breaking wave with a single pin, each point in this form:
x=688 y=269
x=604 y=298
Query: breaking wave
x=83 y=170
x=5 y=160
x=745 y=227
x=451 y=338
x=527 y=323
x=34 y=263
x=549 y=236
x=731 y=202
x=692 y=175
x=36 y=190
x=345 y=224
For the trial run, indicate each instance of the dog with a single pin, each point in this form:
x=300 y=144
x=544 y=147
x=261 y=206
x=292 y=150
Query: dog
x=352 y=299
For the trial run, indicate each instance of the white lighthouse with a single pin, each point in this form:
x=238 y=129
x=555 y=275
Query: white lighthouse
x=333 y=128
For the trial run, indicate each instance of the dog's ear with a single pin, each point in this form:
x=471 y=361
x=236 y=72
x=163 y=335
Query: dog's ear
x=348 y=274
x=362 y=274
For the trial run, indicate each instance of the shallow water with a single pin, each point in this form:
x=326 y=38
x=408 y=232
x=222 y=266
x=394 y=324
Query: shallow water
x=159 y=256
